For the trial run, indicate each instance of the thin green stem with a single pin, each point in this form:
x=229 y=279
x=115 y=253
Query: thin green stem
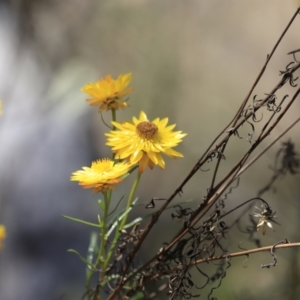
x=124 y=220
x=113 y=117
x=131 y=197
x=101 y=255
x=104 y=121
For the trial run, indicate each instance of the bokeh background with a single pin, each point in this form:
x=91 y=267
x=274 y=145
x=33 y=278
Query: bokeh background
x=192 y=61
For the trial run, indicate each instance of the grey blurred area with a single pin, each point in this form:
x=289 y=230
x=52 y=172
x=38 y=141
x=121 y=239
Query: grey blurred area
x=192 y=61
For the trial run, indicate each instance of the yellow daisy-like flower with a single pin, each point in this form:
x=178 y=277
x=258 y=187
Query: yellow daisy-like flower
x=102 y=175
x=108 y=93
x=2 y=235
x=143 y=141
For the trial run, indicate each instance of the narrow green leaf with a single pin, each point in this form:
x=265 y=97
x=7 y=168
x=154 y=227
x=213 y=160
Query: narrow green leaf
x=92 y=250
x=99 y=221
x=101 y=204
x=80 y=257
x=82 y=221
x=121 y=216
x=137 y=220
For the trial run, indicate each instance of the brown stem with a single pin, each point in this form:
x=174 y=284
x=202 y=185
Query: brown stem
x=227 y=256
x=223 y=185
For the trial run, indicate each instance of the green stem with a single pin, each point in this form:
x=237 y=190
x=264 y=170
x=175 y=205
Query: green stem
x=131 y=198
x=101 y=257
x=114 y=118
x=101 y=254
x=124 y=220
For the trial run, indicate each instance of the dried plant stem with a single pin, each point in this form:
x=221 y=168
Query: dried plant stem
x=267 y=61
x=242 y=107
x=216 y=149
x=227 y=256
x=250 y=163
x=247 y=252
x=204 y=207
x=227 y=180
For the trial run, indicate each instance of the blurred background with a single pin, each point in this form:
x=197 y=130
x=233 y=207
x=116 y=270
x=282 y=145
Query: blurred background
x=193 y=62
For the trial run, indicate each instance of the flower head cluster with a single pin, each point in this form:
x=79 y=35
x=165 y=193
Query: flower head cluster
x=2 y=235
x=108 y=93
x=144 y=142
x=102 y=175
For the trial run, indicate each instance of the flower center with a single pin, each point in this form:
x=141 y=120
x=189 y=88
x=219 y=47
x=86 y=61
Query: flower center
x=147 y=130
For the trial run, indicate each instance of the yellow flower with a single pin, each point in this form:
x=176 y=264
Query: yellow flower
x=102 y=175
x=143 y=141
x=2 y=235
x=108 y=93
